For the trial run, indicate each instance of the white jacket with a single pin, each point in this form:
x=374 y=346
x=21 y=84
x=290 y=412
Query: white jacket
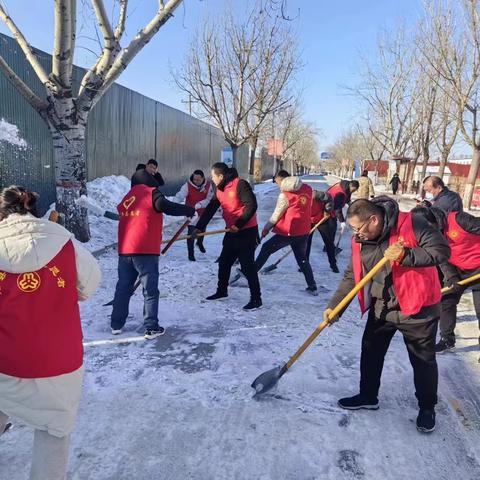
x=182 y=194
x=26 y=245
x=289 y=184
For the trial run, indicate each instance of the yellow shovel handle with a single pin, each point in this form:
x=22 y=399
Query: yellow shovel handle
x=323 y=220
x=466 y=281
x=348 y=298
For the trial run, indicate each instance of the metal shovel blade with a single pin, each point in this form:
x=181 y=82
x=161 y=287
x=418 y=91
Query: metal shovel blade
x=267 y=380
x=235 y=278
x=269 y=268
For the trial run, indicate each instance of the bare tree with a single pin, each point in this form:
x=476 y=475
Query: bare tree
x=373 y=148
x=425 y=100
x=386 y=94
x=451 y=33
x=347 y=149
x=238 y=73
x=66 y=111
x=446 y=124
x=300 y=142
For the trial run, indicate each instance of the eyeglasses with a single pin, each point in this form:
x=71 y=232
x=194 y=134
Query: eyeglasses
x=356 y=231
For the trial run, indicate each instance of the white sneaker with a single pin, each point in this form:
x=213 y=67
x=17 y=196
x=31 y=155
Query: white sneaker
x=116 y=332
x=151 y=334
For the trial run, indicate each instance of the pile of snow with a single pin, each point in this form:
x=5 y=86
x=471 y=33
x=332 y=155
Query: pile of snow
x=10 y=134
x=108 y=191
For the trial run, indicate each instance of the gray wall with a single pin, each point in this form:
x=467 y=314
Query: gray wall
x=125 y=128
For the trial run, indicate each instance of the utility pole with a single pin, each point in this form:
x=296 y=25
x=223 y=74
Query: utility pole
x=189 y=101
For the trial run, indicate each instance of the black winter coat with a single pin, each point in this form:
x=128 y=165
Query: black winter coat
x=432 y=250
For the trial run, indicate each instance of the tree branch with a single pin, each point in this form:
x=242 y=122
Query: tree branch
x=165 y=12
x=122 y=16
x=35 y=101
x=64 y=42
x=27 y=50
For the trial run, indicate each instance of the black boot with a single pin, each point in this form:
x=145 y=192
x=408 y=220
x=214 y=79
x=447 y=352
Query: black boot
x=200 y=245
x=426 y=420
x=253 y=304
x=312 y=290
x=444 y=346
x=217 y=296
x=358 y=402
x=191 y=250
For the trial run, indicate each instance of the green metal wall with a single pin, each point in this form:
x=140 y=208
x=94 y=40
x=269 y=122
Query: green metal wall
x=125 y=128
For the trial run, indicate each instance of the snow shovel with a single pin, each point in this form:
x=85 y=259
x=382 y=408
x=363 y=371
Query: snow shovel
x=274 y=266
x=203 y=234
x=167 y=246
x=337 y=248
x=466 y=281
x=267 y=380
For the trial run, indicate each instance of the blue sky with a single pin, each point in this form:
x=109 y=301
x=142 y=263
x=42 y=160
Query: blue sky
x=331 y=36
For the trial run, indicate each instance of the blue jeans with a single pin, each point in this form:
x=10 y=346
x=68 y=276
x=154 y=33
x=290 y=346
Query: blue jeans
x=145 y=267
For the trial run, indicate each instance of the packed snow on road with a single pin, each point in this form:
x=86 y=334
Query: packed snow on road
x=181 y=407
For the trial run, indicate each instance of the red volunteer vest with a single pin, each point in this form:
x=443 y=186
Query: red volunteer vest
x=415 y=288
x=318 y=211
x=296 y=220
x=195 y=195
x=140 y=226
x=465 y=246
x=333 y=191
x=40 y=330
x=232 y=207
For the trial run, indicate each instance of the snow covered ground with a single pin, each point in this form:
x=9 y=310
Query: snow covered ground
x=180 y=407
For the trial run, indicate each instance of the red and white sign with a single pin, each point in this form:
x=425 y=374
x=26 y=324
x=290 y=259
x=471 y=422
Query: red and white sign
x=476 y=197
x=275 y=147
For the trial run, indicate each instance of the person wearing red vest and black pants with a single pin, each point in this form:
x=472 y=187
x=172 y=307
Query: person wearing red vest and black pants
x=44 y=272
x=197 y=193
x=404 y=296
x=239 y=207
x=139 y=239
x=291 y=224
x=321 y=207
x=340 y=193
x=462 y=231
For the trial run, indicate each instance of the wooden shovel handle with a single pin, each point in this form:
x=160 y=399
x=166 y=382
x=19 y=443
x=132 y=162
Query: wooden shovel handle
x=348 y=298
x=53 y=217
x=177 y=235
x=203 y=234
x=323 y=220
x=289 y=251
x=466 y=281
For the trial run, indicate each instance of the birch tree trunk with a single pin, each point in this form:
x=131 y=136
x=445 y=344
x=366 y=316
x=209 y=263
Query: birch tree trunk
x=71 y=178
x=68 y=129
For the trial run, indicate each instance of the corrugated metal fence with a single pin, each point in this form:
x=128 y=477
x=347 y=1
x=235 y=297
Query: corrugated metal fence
x=125 y=128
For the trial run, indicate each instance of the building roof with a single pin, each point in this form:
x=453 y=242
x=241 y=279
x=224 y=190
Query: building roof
x=456 y=169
